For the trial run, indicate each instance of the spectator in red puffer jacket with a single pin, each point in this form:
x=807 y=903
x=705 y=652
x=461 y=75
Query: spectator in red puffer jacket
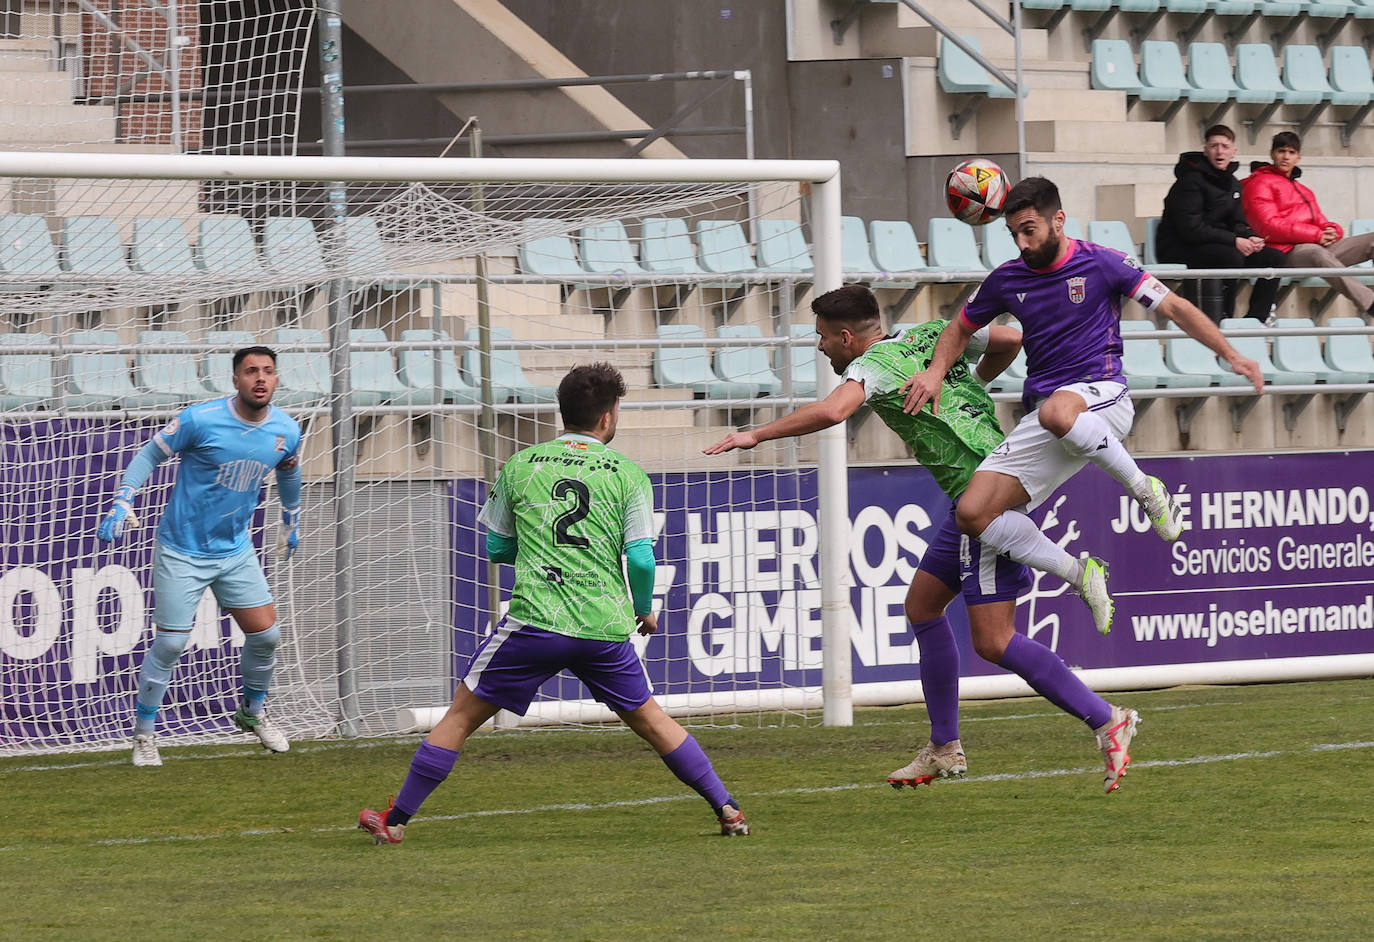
x=1286 y=213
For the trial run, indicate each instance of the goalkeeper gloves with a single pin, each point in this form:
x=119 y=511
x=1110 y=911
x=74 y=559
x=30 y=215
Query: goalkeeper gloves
x=289 y=536
x=120 y=518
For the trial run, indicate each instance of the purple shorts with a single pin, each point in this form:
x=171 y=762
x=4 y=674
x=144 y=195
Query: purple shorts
x=959 y=561
x=509 y=666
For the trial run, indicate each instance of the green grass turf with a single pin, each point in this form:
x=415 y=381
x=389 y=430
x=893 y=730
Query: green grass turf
x=1234 y=823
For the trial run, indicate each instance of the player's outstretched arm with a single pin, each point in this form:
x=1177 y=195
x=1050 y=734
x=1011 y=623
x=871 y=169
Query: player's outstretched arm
x=843 y=402
x=1199 y=326
x=1004 y=343
x=120 y=517
x=925 y=386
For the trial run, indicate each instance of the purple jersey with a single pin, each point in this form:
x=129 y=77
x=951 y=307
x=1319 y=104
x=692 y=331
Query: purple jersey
x=1070 y=314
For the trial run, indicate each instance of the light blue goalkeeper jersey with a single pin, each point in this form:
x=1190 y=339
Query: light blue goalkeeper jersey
x=224 y=462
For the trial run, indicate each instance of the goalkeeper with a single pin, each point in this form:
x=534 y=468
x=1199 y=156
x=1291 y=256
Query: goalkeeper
x=565 y=514
x=950 y=444
x=227 y=448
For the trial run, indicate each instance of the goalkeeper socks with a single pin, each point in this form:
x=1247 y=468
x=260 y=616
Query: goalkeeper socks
x=690 y=764
x=939 y=677
x=1091 y=437
x=428 y=769
x=257 y=663
x=1013 y=534
x=154 y=674
x=1050 y=677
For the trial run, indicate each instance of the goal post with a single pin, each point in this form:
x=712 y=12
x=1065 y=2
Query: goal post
x=204 y=254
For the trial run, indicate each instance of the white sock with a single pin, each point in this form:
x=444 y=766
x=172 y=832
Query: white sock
x=1013 y=534
x=1090 y=437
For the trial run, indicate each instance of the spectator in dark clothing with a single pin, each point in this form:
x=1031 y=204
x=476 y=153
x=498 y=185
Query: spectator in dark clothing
x=1203 y=226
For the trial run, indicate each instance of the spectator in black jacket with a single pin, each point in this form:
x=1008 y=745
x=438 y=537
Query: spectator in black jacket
x=1203 y=226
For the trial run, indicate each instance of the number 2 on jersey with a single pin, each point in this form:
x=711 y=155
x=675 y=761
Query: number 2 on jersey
x=582 y=505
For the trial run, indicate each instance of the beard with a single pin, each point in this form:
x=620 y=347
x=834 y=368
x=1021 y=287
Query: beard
x=1044 y=255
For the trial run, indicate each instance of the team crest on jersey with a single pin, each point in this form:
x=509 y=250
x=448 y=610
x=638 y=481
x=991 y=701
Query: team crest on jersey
x=1078 y=290
x=578 y=446
x=280 y=444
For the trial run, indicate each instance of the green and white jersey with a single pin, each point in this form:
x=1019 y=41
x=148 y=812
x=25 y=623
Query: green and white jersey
x=952 y=443
x=572 y=505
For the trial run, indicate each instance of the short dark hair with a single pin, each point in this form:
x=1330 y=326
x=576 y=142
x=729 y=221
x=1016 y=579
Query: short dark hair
x=253 y=351
x=1035 y=193
x=1286 y=139
x=1219 y=130
x=852 y=305
x=587 y=393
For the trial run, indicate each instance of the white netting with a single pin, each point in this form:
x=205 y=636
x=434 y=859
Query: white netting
x=663 y=280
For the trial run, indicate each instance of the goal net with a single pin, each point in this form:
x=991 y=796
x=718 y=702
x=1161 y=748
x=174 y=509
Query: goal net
x=423 y=312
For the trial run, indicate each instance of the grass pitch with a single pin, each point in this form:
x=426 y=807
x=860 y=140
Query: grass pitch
x=1246 y=815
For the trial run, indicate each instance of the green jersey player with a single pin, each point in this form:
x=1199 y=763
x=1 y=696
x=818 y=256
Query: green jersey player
x=951 y=443
x=566 y=513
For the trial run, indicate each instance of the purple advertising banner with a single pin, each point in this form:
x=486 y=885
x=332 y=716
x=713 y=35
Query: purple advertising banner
x=1276 y=560
x=75 y=615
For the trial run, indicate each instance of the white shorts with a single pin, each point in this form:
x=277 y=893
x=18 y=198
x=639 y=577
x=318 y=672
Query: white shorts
x=1037 y=459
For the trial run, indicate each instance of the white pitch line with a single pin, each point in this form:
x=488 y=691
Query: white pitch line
x=686 y=796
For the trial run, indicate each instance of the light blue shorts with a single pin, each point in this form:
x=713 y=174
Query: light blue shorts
x=180 y=581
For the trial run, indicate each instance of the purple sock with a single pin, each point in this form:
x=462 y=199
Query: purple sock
x=939 y=677
x=1047 y=673
x=430 y=766
x=690 y=764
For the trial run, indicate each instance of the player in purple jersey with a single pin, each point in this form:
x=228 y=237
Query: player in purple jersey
x=1067 y=296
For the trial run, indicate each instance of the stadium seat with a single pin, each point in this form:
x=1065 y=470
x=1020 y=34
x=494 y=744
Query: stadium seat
x=225 y=249
x=551 y=254
x=1304 y=76
x=1161 y=69
x=507 y=374
x=666 y=248
x=690 y=367
x=1233 y=7
x=1302 y=353
x=28 y=260
x=91 y=246
x=100 y=380
x=746 y=365
x=1362 y=9
x=952 y=247
x=1350 y=73
x=803 y=360
x=417 y=372
x=219 y=367
x=606 y=249
x=174 y=376
x=896 y=249
x=722 y=247
x=304 y=374
x=372 y=374
x=998 y=244
x=1349 y=353
x=1073 y=228
x=960 y=74
x=1112 y=67
x=855 y=254
x=159 y=247
x=782 y=247
x=1189 y=356
x=1144 y=365
x=1257 y=349
x=291 y=248
x=1187 y=6
x=1013 y=378
x=26 y=379
x=1114 y=235
x=364 y=250
x=1280 y=7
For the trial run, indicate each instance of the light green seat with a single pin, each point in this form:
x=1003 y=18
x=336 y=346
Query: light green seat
x=1114 y=235
x=689 y=367
x=1350 y=73
x=1161 y=69
x=998 y=245
x=1112 y=67
x=26 y=379
x=855 y=255
x=551 y=254
x=100 y=380
x=1304 y=75
x=304 y=377
x=417 y=372
x=782 y=247
x=291 y=249
x=896 y=250
x=1257 y=71
x=508 y=378
x=225 y=249
x=1302 y=353
x=803 y=372
x=174 y=376
x=959 y=73
x=952 y=247
x=372 y=374
x=1349 y=353
x=1143 y=362
x=722 y=247
x=159 y=247
x=606 y=249
x=91 y=246
x=219 y=366
x=1209 y=73
x=666 y=248
x=1257 y=349
x=746 y=365
x=1189 y=356
x=28 y=259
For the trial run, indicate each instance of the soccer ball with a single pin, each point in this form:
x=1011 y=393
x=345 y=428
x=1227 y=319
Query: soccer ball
x=975 y=191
